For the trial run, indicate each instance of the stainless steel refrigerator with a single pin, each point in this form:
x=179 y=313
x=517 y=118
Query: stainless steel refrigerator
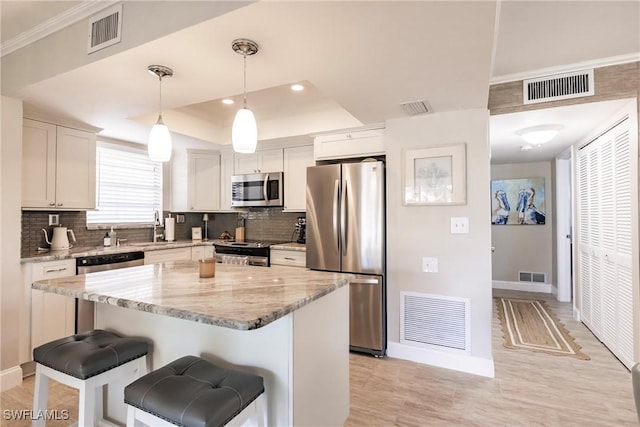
x=346 y=233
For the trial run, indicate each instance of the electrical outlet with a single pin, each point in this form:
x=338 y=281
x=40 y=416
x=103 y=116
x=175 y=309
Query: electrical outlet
x=460 y=225
x=54 y=219
x=429 y=265
x=179 y=218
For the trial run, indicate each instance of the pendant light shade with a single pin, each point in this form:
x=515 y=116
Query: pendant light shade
x=159 y=145
x=244 y=132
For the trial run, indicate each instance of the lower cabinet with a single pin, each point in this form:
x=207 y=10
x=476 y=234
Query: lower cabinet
x=286 y=257
x=164 y=255
x=52 y=315
x=201 y=252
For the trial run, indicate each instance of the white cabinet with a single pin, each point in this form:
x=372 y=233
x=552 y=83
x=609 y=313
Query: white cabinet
x=201 y=252
x=296 y=161
x=165 y=255
x=260 y=161
x=58 y=167
x=52 y=315
x=199 y=174
x=349 y=144
x=226 y=172
x=286 y=257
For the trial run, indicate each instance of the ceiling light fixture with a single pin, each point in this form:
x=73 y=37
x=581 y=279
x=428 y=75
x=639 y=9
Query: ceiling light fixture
x=538 y=135
x=244 y=132
x=159 y=146
x=228 y=101
x=297 y=87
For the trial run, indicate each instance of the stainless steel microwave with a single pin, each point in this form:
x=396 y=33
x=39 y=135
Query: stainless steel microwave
x=257 y=189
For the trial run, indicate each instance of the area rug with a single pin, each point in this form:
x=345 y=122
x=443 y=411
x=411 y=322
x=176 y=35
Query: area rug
x=531 y=325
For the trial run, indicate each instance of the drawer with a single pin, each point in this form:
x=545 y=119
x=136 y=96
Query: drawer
x=284 y=257
x=53 y=269
x=179 y=254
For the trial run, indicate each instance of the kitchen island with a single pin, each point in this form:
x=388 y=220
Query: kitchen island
x=288 y=324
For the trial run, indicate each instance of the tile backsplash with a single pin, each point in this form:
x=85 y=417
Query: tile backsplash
x=270 y=224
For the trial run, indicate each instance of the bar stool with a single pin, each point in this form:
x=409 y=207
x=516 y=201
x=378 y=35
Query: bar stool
x=193 y=392
x=86 y=362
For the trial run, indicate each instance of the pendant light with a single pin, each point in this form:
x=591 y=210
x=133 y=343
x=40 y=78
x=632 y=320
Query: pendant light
x=244 y=132
x=159 y=146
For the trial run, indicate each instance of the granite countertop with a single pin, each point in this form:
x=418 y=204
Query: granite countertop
x=238 y=297
x=290 y=246
x=82 y=251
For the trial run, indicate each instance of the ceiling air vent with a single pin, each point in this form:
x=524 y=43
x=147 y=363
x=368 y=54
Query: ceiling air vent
x=105 y=28
x=414 y=108
x=558 y=86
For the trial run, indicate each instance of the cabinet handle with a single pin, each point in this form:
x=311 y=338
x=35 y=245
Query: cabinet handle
x=289 y=258
x=52 y=204
x=54 y=270
x=59 y=204
x=192 y=208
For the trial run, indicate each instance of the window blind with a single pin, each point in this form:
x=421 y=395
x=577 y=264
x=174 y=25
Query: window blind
x=129 y=186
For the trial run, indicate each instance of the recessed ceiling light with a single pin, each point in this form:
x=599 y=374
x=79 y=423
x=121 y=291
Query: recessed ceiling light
x=297 y=87
x=227 y=101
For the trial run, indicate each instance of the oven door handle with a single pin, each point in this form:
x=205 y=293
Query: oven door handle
x=264 y=188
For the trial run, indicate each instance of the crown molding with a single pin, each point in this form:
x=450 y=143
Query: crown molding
x=578 y=66
x=70 y=16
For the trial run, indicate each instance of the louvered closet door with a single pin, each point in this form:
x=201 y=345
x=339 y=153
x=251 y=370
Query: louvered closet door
x=606 y=177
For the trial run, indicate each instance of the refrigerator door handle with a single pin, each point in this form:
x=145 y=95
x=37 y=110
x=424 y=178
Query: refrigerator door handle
x=264 y=188
x=336 y=187
x=343 y=218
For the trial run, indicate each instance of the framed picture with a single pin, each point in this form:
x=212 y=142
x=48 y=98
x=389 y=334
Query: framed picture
x=435 y=175
x=517 y=201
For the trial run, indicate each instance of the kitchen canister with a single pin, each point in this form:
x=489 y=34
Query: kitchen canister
x=207 y=268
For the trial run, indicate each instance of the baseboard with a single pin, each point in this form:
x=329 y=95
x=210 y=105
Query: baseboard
x=10 y=378
x=441 y=359
x=522 y=286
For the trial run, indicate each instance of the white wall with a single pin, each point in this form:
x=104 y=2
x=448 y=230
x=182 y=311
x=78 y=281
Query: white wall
x=418 y=231
x=10 y=198
x=524 y=247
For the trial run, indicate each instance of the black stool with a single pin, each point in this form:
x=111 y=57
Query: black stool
x=193 y=392
x=86 y=361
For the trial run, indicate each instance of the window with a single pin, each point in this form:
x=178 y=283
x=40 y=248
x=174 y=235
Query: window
x=128 y=186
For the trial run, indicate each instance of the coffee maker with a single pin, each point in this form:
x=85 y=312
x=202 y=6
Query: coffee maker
x=301 y=229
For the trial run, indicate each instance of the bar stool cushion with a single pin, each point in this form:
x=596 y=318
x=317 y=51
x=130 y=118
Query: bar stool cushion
x=193 y=392
x=90 y=353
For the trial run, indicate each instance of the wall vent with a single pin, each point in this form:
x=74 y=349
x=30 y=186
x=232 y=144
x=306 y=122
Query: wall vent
x=105 y=28
x=529 y=276
x=558 y=86
x=435 y=321
x=414 y=108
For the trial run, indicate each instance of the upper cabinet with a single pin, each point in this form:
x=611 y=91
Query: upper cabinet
x=260 y=161
x=195 y=181
x=296 y=161
x=350 y=144
x=58 y=167
x=226 y=172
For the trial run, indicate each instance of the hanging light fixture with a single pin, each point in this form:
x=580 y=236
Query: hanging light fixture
x=244 y=132
x=159 y=146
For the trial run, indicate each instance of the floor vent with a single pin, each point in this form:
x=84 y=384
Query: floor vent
x=414 y=108
x=528 y=276
x=435 y=321
x=105 y=28
x=558 y=86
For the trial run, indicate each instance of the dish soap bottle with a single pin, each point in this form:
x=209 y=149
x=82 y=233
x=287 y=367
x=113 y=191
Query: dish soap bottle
x=107 y=239
x=112 y=236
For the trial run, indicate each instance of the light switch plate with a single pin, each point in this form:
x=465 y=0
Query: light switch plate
x=460 y=225
x=429 y=265
x=54 y=219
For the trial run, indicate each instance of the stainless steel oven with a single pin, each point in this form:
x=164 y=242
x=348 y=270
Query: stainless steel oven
x=256 y=253
x=257 y=189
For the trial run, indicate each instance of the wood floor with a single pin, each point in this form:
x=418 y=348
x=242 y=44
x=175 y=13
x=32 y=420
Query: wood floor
x=529 y=389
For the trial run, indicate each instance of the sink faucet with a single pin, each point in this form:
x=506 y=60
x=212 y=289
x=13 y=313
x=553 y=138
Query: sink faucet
x=156 y=224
